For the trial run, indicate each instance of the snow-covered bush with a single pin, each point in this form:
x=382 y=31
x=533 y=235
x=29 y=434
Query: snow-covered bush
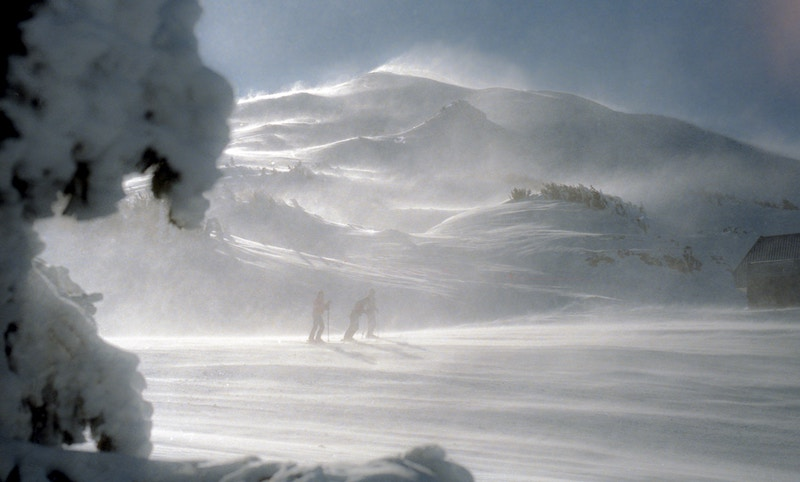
x=686 y=263
x=519 y=194
x=720 y=199
x=91 y=90
x=595 y=199
x=62 y=378
x=785 y=204
x=581 y=194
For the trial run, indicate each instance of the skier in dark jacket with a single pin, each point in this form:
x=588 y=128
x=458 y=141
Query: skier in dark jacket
x=370 y=309
x=320 y=306
x=362 y=306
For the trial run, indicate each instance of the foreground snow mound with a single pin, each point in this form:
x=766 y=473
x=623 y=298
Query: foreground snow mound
x=21 y=461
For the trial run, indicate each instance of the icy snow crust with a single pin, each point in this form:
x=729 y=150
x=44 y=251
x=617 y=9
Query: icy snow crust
x=513 y=333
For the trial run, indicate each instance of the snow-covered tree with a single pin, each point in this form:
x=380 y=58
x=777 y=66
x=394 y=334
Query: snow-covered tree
x=90 y=91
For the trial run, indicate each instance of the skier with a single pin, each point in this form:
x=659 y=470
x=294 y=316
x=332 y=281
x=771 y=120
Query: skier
x=364 y=305
x=320 y=306
x=355 y=314
x=370 y=309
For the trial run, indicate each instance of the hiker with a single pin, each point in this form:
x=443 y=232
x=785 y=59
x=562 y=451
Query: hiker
x=370 y=309
x=355 y=314
x=320 y=306
x=364 y=305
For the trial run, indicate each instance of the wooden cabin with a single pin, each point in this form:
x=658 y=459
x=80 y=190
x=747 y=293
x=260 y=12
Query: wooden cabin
x=770 y=272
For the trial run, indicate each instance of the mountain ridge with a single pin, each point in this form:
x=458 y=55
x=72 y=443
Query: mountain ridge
x=545 y=135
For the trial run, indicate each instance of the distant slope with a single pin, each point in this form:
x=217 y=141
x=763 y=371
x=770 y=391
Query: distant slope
x=388 y=121
x=400 y=184
x=587 y=142
x=398 y=152
x=374 y=105
x=458 y=138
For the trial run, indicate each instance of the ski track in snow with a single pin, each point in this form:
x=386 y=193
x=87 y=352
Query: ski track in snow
x=694 y=397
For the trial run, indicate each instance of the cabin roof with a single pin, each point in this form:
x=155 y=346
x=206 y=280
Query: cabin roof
x=768 y=249
x=774 y=248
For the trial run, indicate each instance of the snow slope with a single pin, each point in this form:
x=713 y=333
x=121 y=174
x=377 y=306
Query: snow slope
x=400 y=183
x=545 y=135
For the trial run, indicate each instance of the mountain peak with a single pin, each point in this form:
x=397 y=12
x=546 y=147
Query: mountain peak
x=458 y=122
x=461 y=109
x=548 y=136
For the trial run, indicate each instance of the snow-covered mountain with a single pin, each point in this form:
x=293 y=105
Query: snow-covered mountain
x=387 y=120
x=401 y=184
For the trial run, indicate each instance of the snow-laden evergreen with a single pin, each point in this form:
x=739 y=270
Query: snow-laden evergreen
x=95 y=91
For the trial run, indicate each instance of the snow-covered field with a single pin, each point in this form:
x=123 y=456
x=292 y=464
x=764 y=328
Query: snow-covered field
x=645 y=394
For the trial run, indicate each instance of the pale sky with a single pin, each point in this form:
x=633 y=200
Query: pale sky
x=731 y=66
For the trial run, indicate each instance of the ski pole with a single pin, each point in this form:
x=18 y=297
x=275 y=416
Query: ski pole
x=329 y=324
